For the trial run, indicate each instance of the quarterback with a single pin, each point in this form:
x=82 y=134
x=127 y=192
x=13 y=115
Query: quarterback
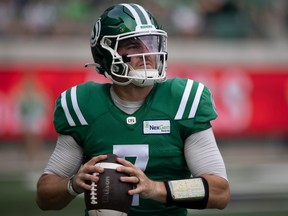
x=159 y=128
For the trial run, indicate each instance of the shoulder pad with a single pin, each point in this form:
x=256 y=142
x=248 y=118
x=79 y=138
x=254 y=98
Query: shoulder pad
x=187 y=99
x=73 y=106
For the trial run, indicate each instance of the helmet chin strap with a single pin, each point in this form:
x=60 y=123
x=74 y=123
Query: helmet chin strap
x=108 y=76
x=137 y=82
x=147 y=77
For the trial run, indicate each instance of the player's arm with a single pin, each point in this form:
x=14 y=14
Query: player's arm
x=52 y=192
x=219 y=192
x=56 y=188
x=209 y=187
x=210 y=181
x=205 y=160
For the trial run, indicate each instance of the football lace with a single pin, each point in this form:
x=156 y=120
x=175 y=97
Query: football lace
x=93 y=194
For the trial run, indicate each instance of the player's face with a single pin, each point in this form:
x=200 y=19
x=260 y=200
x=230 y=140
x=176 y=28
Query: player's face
x=139 y=45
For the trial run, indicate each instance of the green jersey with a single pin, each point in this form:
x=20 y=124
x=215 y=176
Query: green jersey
x=152 y=138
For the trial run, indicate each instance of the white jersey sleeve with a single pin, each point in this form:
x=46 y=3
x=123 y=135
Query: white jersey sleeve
x=66 y=158
x=203 y=156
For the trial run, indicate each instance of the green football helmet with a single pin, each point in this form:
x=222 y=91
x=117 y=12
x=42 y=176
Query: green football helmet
x=122 y=23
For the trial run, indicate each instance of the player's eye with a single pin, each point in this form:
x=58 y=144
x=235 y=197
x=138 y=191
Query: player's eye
x=133 y=46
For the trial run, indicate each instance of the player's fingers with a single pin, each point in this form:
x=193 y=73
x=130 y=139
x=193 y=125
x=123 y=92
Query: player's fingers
x=144 y=188
x=90 y=178
x=89 y=169
x=96 y=159
x=131 y=179
x=83 y=180
x=125 y=162
x=129 y=170
x=136 y=190
x=85 y=186
x=138 y=180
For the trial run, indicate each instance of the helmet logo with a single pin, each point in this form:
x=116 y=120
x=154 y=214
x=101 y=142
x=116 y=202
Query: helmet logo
x=95 y=33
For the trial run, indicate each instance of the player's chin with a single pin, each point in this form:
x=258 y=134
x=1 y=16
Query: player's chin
x=105 y=212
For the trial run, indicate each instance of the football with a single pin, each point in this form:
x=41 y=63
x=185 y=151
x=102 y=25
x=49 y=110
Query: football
x=109 y=197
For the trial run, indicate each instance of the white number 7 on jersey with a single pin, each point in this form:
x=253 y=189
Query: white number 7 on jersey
x=141 y=152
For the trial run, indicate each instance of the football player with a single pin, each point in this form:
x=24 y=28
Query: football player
x=159 y=128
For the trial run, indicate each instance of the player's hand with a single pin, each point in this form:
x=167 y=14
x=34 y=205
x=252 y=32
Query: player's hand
x=145 y=187
x=85 y=174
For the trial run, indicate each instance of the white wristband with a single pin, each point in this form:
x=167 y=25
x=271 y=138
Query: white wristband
x=70 y=188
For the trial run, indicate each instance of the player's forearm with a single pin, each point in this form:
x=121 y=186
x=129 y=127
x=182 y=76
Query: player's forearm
x=219 y=192
x=52 y=192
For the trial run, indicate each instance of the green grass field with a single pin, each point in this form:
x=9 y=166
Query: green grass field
x=16 y=199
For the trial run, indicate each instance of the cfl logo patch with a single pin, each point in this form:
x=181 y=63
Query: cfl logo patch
x=131 y=120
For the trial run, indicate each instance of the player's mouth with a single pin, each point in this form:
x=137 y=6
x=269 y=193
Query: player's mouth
x=148 y=66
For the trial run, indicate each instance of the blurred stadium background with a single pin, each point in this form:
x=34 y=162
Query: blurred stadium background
x=236 y=47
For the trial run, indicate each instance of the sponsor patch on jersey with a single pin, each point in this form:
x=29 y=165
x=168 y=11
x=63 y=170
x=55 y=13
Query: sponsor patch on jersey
x=156 y=127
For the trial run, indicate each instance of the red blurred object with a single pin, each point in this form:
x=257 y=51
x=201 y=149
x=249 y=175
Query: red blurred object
x=250 y=100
